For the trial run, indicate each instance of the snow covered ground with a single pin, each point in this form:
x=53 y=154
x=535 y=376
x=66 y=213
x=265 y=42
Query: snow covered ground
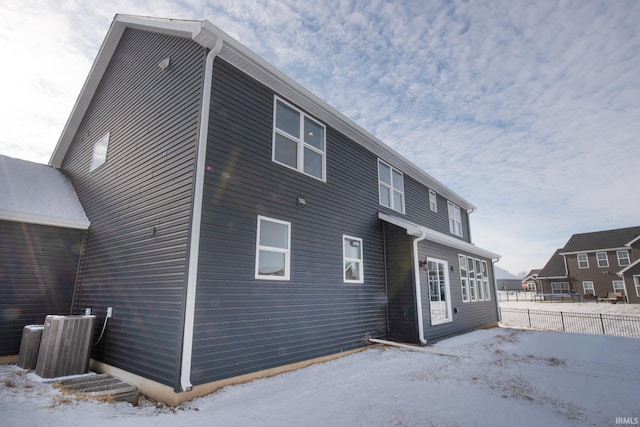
x=502 y=377
x=576 y=307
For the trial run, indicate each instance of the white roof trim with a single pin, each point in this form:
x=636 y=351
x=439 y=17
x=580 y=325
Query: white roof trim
x=43 y=220
x=628 y=267
x=206 y=34
x=437 y=237
x=591 y=251
x=632 y=241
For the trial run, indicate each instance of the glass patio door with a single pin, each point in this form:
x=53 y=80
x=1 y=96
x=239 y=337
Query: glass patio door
x=439 y=292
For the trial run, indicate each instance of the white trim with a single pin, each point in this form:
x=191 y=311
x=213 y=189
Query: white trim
x=196 y=218
x=633 y=241
x=584 y=288
x=360 y=260
x=561 y=283
x=464 y=288
x=624 y=286
x=618 y=256
x=43 y=220
x=286 y=251
x=391 y=187
x=636 y=286
x=447 y=292
x=437 y=237
x=606 y=259
x=301 y=144
x=591 y=251
x=455 y=220
x=586 y=256
x=433 y=201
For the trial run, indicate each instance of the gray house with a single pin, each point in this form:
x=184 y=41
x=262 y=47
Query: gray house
x=240 y=225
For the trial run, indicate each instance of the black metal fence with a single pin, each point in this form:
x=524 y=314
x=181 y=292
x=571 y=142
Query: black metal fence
x=587 y=323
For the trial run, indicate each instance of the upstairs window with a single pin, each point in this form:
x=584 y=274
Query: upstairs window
x=390 y=187
x=99 y=153
x=273 y=245
x=433 y=201
x=583 y=261
x=602 y=259
x=298 y=141
x=623 y=258
x=352 y=254
x=455 y=219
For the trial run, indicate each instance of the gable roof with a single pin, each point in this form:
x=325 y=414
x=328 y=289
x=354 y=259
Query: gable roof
x=211 y=37
x=601 y=240
x=502 y=274
x=554 y=268
x=38 y=194
x=533 y=273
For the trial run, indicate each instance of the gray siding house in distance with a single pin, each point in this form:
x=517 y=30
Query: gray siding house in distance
x=241 y=226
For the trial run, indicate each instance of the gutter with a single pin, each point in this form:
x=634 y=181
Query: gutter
x=194 y=246
x=416 y=272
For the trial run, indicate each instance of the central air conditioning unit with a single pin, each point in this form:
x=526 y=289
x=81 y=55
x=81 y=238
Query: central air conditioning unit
x=65 y=347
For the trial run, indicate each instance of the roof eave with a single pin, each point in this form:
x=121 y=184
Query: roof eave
x=80 y=224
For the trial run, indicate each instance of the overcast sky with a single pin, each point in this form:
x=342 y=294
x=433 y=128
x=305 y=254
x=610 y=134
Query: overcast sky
x=528 y=109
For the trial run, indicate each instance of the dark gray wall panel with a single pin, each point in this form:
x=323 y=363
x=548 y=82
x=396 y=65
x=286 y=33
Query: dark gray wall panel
x=139 y=201
x=402 y=316
x=38 y=266
x=470 y=315
x=244 y=324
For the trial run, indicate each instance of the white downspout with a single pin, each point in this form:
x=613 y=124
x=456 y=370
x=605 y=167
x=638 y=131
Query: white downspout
x=194 y=246
x=416 y=273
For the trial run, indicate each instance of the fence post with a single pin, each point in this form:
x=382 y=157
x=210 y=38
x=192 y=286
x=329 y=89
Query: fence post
x=529 y=316
x=562 y=320
x=602 y=323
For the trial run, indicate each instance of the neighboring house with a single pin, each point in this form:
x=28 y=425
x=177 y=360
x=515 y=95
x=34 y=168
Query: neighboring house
x=506 y=281
x=239 y=224
x=530 y=280
x=42 y=224
x=595 y=264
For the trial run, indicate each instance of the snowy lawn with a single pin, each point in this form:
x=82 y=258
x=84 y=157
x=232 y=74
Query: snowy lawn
x=576 y=307
x=503 y=377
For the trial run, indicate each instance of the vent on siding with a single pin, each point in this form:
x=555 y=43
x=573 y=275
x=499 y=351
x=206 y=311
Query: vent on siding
x=65 y=347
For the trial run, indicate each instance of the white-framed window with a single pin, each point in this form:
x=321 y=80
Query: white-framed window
x=352 y=253
x=273 y=249
x=618 y=286
x=479 y=278
x=455 y=219
x=433 y=201
x=473 y=295
x=100 y=149
x=588 y=288
x=485 y=281
x=390 y=187
x=623 y=258
x=583 y=261
x=439 y=292
x=636 y=283
x=531 y=286
x=603 y=260
x=559 y=287
x=464 y=278
x=299 y=141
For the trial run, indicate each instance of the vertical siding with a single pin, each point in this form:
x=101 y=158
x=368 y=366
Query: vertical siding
x=139 y=201
x=244 y=324
x=402 y=316
x=470 y=315
x=38 y=267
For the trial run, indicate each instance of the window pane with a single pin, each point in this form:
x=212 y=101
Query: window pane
x=352 y=270
x=313 y=163
x=397 y=201
x=384 y=173
x=286 y=151
x=288 y=120
x=271 y=263
x=313 y=134
x=397 y=180
x=100 y=152
x=274 y=234
x=385 y=197
x=352 y=249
